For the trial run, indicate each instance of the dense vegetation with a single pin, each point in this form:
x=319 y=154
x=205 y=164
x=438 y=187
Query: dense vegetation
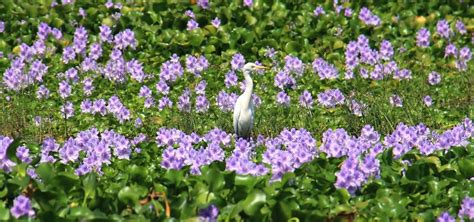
x=123 y=110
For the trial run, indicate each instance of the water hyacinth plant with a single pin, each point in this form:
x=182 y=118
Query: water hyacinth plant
x=122 y=110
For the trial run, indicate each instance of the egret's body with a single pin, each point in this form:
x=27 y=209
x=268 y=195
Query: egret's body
x=244 y=107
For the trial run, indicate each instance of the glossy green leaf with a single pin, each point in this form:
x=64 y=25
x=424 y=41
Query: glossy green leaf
x=254 y=201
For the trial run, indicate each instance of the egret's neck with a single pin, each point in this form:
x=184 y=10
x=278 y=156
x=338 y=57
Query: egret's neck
x=248 y=88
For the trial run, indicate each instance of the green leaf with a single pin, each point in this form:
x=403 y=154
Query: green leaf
x=127 y=195
x=3 y=192
x=45 y=172
x=4 y=214
x=81 y=212
x=89 y=185
x=466 y=167
x=215 y=179
x=254 y=202
x=137 y=171
x=11 y=149
x=196 y=37
x=293 y=47
x=130 y=195
x=246 y=180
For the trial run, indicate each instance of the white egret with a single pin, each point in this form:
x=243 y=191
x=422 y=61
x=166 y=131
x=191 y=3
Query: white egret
x=244 y=107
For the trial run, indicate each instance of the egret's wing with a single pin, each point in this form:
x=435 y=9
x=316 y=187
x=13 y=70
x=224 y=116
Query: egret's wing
x=237 y=109
x=252 y=113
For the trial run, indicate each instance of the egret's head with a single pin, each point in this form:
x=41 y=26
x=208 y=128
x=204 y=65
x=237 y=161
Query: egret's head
x=249 y=67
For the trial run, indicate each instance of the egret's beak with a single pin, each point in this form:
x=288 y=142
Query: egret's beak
x=261 y=67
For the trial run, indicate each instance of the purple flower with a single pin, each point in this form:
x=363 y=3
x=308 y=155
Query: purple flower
x=465 y=54
x=23 y=154
x=238 y=61
x=370 y=19
x=105 y=33
x=86 y=106
x=164 y=102
x=64 y=89
x=331 y=97
x=43 y=30
x=356 y=107
x=119 y=111
x=149 y=102
x=201 y=87
x=348 y=12
x=190 y=14
x=67 y=2
x=306 y=100
x=26 y=52
x=216 y=22
x=460 y=27
x=192 y=24
x=80 y=40
x=116 y=16
x=184 y=103
x=434 y=78
x=225 y=101
x=37 y=120
x=283 y=98
x=118 y=5
x=396 y=101
x=2 y=26
x=82 y=12
x=124 y=39
x=324 y=69
x=32 y=174
x=319 y=11
x=386 y=50
x=248 y=3
x=354 y=174
x=467 y=208
x=88 y=86
x=22 y=207
x=145 y=92
x=294 y=64
x=204 y=4
x=5 y=163
x=171 y=70
x=109 y=4
x=39 y=47
x=445 y=217
x=72 y=74
x=256 y=100
x=450 y=50
x=196 y=65
x=402 y=74
x=423 y=38
x=67 y=110
x=138 y=123
x=427 y=101
x=135 y=69
x=461 y=65
x=68 y=54
x=162 y=87
x=202 y=104
x=42 y=92
x=57 y=33
x=443 y=29
x=99 y=107
x=270 y=53
x=230 y=79
x=95 y=51
x=210 y=213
